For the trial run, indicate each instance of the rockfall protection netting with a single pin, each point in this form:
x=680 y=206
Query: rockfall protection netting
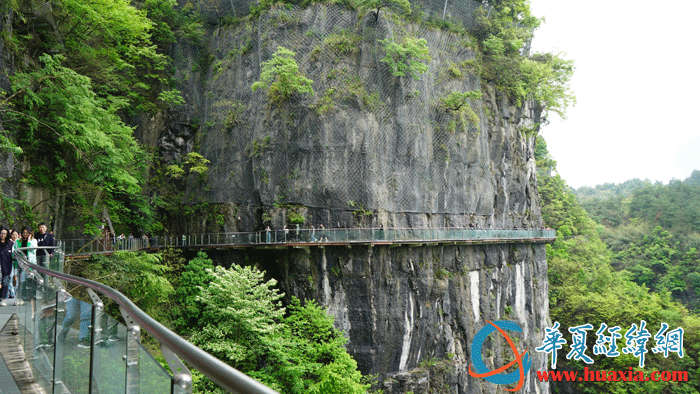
x=461 y=11
x=366 y=138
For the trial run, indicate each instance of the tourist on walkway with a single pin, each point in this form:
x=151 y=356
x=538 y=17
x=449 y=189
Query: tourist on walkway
x=27 y=288
x=44 y=238
x=76 y=309
x=5 y=264
x=16 y=269
x=324 y=235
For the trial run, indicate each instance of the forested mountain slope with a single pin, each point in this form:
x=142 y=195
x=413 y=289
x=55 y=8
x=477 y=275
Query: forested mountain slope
x=587 y=287
x=653 y=231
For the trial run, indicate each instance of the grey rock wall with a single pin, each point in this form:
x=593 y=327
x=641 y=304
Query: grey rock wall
x=460 y=11
x=411 y=313
x=365 y=137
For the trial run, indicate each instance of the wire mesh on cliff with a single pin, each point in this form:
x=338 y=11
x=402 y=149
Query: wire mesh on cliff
x=367 y=137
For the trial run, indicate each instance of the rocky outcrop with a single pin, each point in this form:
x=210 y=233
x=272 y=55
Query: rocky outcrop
x=371 y=148
x=411 y=313
x=367 y=138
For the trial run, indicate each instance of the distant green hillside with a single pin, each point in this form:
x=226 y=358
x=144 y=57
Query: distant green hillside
x=608 y=190
x=592 y=282
x=675 y=207
x=653 y=232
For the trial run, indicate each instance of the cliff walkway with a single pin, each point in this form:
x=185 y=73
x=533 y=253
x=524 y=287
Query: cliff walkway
x=282 y=238
x=59 y=343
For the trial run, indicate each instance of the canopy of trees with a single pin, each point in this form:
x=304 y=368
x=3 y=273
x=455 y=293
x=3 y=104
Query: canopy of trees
x=585 y=288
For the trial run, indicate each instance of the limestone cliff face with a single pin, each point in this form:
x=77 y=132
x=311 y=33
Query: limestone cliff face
x=370 y=141
x=368 y=137
x=403 y=307
x=411 y=313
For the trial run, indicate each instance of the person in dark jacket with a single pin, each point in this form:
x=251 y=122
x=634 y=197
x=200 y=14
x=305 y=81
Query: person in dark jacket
x=5 y=264
x=44 y=238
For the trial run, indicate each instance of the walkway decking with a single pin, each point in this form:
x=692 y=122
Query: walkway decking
x=15 y=372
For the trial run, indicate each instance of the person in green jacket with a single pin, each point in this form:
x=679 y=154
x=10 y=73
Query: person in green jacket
x=16 y=269
x=27 y=287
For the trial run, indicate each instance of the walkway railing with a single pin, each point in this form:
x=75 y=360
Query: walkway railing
x=75 y=347
x=304 y=236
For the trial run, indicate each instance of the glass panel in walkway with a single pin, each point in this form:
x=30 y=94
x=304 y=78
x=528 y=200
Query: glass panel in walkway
x=73 y=343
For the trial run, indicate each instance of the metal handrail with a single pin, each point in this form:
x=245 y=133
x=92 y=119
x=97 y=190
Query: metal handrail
x=221 y=373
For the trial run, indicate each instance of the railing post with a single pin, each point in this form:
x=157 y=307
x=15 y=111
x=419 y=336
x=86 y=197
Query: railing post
x=133 y=338
x=58 y=349
x=95 y=332
x=182 y=377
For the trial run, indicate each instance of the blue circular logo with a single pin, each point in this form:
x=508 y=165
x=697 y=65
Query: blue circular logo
x=479 y=370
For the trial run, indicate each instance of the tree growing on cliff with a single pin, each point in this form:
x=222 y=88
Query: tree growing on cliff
x=282 y=77
x=76 y=141
x=458 y=103
x=410 y=56
x=402 y=6
x=501 y=35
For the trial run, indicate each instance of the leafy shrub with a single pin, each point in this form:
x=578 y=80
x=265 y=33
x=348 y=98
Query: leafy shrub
x=410 y=56
x=243 y=324
x=542 y=77
x=282 y=77
x=458 y=102
x=345 y=42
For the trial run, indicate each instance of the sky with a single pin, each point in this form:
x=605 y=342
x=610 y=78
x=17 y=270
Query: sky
x=637 y=85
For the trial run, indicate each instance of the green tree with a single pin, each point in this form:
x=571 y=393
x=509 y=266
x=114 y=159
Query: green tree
x=141 y=277
x=110 y=42
x=282 y=77
x=188 y=308
x=241 y=318
x=243 y=324
x=501 y=34
x=410 y=56
x=319 y=362
x=459 y=104
x=402 y=6
x=77 y=142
